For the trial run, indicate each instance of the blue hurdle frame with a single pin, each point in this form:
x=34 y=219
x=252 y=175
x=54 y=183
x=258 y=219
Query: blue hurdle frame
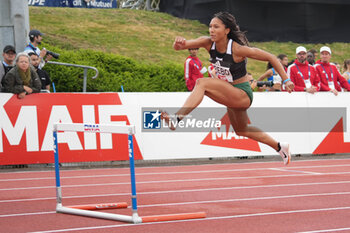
x=60 y=208
x=135 y=218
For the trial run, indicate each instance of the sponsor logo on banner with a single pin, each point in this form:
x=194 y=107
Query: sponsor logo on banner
x=226 y=137
x=26 y=128
x=334 y=141
x=75 y=3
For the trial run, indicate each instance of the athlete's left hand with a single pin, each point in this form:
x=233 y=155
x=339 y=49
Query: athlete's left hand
x=212 y=72
x=289 y=85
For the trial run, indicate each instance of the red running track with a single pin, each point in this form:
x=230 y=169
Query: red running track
x=307 y=196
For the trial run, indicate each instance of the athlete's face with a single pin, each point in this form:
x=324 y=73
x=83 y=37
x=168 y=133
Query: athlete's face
x=217 y=30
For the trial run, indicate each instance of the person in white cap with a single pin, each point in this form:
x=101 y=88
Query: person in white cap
x=330 y=78
x=302 y=74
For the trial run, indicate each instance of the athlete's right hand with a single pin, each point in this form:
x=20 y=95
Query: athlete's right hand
x=179 y=43
x=289 y=86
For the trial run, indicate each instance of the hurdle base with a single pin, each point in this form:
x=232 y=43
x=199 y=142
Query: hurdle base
x=94 y=214
x=173 y=217
x=130 y=219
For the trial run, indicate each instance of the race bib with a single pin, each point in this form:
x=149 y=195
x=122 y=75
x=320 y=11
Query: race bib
x=223 y=73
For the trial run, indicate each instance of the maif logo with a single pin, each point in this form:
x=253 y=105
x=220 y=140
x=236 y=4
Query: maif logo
x=151 y=120
x=26 y=128
x=226 y=137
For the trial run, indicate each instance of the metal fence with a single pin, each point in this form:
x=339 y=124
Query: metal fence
x=79 y=66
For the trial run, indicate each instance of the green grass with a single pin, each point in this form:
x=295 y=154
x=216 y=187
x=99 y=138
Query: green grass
x=144 y=36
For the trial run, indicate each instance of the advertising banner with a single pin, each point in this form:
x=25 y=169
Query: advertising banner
x=75 y=3
x=312 y=124
x=27 y=128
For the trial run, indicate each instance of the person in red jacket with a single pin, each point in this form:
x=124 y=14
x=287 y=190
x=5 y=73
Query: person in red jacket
x=193 y=69
x=330 y=78
x=302 y=74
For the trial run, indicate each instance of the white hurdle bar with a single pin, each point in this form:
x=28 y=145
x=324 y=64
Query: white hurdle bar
x=85 y=210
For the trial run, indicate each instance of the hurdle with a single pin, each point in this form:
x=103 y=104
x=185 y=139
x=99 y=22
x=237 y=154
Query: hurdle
x=88 y=210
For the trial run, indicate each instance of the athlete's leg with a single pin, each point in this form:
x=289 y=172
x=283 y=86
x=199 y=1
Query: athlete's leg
x=239 y=121
x=218 y=90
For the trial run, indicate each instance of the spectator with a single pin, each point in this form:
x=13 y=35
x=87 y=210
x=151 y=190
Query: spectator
x=338 y=66
x=315 y=54
x=310 y=57
x=22 y=79
x=193 y=69
x=9 y=55
x=35 y=37
x=302 y=74
x=43 y=75
x=273 y=76
x=253 y=83
x=347 y=70
x=329 y=74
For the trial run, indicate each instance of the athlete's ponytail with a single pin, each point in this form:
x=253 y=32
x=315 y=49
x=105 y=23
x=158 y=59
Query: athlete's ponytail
x=235 y=33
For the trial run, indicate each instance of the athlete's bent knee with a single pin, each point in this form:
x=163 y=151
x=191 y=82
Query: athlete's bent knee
x=201 y=81
x=242 y=132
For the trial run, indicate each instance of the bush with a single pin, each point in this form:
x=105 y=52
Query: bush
x=114 y=71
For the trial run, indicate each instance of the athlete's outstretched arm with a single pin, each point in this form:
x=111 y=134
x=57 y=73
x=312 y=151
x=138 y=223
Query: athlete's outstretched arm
x=261 y=55
x=181 y=43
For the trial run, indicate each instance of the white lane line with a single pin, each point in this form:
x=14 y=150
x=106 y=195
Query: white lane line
x=174 y=181
x=290 y=170
x=202 y=219
x=174 y=173
x=327 y=230
x=187 y=166
x=26 y=214
x=180 y=191
x=213 y=201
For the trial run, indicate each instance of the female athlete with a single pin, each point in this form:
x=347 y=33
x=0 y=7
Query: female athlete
x=229 y=49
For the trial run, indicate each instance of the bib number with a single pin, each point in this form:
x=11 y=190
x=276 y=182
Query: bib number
x=223 y=73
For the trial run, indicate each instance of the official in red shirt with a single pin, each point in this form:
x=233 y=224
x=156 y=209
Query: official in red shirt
x=193 y=69
x=302 y=74
x=330 y=78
